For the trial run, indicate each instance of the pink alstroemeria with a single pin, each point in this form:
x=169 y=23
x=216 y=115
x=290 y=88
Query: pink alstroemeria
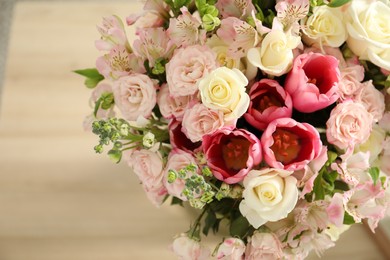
x=118 y=62
x=112 y=33
x=185 y=29
x=154 y=14
x=153 y=43
x=290 y=145
x=236 y=8
x=289 y=12
x=239 y=35
x=313 y=82
x=231 y=154
x=366 y=201
x=268 y=101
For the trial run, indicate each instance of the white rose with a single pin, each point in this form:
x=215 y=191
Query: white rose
x=221 y=48
x=369 y=31
x=275 y=54
x=325 y=27
x=374 y=144
x=269 y=195
x=224 y=89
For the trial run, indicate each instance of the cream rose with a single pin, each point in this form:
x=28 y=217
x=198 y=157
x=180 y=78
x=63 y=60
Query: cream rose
x=269 y=195
x=369 y=31
x=224 y=89
x=324 y=27
x=275 y=54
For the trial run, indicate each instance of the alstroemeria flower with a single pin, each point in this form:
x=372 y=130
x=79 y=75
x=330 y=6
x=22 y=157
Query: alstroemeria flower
x=268 y=101
x=231 y=154
x=312 y=82
x=112 y=33
x=153 y=43
x=184 y=30
x=289 y=12
x=239 y=35
x=118 y=62
x=236 y=8
x=290 y=145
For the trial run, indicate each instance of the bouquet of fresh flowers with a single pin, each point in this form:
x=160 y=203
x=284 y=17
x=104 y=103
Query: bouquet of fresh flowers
x=271 y=118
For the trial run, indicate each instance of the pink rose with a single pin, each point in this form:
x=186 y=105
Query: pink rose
x=187 y=67
x=179 y=140
x=173 y=106
x=290 y=145
x=372 y=99
x=349 y=124
x=231 y=154
x=135 y=95
x=148 y=166
x=177 y=160
x=268 y=101
x=264 y=246
x=201 y=120
x=231 y=249
x=186 y=248
x=312 y=82
x=350 y=82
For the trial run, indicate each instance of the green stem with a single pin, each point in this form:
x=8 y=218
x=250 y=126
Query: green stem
x=197 y=223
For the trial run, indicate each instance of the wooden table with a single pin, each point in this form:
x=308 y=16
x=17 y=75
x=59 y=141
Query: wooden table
x=58 y=199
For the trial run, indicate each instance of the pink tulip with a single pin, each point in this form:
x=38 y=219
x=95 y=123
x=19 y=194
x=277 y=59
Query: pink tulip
x=268 y=101
x=231 y=154
x=290 y=145
x=313 y=82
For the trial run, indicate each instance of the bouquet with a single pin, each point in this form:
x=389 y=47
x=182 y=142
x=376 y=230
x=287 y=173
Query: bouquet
x=271 y=118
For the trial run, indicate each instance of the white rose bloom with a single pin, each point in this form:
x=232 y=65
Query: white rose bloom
x=325 y=27
x=224 y=90
x=275 y=54
x=269 y=195
x=368 y=26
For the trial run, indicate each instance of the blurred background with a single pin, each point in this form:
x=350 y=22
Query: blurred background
x=58 y=199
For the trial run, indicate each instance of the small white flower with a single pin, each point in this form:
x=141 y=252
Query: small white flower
x=148 y=140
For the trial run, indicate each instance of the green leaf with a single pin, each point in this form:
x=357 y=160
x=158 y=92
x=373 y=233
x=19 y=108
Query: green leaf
x=239 y=227
x=331 y=176
x=318 y=189
x=374 y=173
x=210 y=221
x=93 y=77
x=338 y=3
x=176 y=201
x=340 y=185
x=348 y=219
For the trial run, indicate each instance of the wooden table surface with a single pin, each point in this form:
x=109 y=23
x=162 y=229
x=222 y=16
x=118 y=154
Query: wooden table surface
x=58 y=199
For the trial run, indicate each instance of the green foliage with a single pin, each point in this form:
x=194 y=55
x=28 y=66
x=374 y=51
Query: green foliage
x=348 y=219
x=106 y=101
x=239 y=227
x=318 y=189
x=338 y=3
x=93 y=77
x=211 y=222
x=374 y=173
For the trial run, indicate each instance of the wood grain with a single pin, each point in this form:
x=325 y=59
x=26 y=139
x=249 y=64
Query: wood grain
x=58 y=199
